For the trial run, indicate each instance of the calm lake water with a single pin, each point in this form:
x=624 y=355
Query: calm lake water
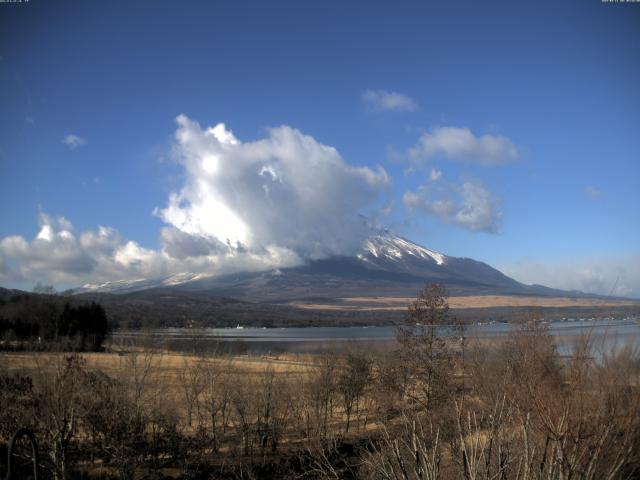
x=607 y=334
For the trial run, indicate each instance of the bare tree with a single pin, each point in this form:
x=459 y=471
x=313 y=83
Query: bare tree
x=192 y=383
x=391 y=379
x=426 y=345
x=352 y=381
x=217 y=376
x=59 y=392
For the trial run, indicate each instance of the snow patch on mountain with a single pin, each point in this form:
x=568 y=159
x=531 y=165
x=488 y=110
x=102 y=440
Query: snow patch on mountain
x=393 y=247
x=385 y=246
x=179 y=278
x=123 y=286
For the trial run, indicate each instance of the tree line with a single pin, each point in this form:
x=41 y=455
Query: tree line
x=47 y=322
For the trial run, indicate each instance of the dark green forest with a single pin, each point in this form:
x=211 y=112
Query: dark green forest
x=47 y=322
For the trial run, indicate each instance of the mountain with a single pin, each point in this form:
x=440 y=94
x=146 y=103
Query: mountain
x=372 y=287
x=387 y=265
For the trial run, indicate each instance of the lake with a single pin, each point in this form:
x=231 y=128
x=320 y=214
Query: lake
x=607 y=334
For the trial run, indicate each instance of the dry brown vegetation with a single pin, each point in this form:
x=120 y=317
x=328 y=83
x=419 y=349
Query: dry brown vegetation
x=465 y=302
x=433 y=407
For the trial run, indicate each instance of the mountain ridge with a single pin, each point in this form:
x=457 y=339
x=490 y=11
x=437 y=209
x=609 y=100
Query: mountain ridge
x=386 y=265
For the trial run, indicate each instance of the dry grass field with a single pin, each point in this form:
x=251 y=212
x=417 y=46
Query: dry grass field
x=464 y=302
x=165 y=366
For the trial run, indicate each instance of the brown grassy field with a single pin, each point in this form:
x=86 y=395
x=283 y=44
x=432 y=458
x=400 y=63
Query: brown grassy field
x=161 y=373
x=164 y=363
x=464 y=302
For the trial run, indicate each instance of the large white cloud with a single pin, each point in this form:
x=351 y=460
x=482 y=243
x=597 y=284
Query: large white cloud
x=469 y=205
x=273 y=202
x=460 y=144
x=286 y=190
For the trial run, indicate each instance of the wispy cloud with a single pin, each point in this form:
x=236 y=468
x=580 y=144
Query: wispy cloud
x=73 y=141
x=617 y=275
x=384 y=101
x=470 y=205
x=460 y=144
x=593 y=193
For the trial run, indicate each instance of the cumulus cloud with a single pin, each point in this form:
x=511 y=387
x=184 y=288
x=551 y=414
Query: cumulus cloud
x=73 y=141
x=181 y=245
x=470 y=205
x=382 y=100
x=57 y=254
x=274 y=202
x=610 y=275
x=286 y=190
x=460 y=144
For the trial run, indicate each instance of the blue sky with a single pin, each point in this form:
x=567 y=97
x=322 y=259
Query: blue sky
x=502 y=131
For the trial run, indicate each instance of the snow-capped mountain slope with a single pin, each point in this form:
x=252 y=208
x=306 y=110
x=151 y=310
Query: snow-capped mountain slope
x=392 y=253
x=394 y=247
x=127 y=286
x=387 y=264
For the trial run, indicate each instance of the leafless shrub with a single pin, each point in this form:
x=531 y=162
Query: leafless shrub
x=59 y=404
x=413 y=453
